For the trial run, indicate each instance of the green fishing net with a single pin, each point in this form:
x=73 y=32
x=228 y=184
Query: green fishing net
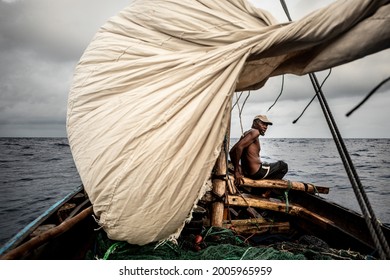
x=218 y=244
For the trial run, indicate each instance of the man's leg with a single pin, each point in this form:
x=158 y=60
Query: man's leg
x=277 y=170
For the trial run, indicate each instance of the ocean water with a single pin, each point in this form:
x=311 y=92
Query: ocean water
x=34 y=174
x=37 y=172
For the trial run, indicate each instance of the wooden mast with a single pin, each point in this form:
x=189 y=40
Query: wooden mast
x=219 y=182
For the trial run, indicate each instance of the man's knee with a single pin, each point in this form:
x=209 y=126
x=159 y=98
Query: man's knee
x=283 y=166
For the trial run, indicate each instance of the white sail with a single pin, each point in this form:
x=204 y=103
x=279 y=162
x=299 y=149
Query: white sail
x=151 y=96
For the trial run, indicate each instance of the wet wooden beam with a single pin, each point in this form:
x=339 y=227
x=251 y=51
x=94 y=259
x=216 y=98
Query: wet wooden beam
x=283 y=185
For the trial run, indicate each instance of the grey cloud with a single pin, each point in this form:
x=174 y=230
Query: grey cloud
x=41 y=42
x=59 y=30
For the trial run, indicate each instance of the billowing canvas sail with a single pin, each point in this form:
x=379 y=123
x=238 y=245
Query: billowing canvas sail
x=151 y=96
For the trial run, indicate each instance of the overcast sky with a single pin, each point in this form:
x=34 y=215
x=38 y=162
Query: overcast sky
x=41 y=42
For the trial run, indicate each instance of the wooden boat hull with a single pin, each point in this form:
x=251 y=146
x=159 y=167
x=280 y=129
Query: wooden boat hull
x=310 y=214
x=340 y=227
x=64 y=232
x=348 y=229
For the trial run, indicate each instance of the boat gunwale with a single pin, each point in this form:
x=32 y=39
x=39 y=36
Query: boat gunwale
x=21 y=235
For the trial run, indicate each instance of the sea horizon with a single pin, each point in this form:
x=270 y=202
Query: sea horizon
x=38 y=171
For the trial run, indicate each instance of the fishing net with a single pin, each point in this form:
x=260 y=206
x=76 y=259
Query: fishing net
x=219 y=244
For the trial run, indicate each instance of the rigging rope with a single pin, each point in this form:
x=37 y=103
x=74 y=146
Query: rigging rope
x=280 y=94
x=240 y=109
x=368 y=96
x=368 y=213
x=237 y=99
x=307 y=106
x=285 y=9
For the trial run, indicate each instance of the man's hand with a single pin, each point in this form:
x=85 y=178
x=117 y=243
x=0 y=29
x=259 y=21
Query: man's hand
x=238 y=178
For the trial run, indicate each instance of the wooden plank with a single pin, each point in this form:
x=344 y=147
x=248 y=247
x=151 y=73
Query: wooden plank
x=283 y=185
x=254 y=221
x=247 y=227
x=272 y=205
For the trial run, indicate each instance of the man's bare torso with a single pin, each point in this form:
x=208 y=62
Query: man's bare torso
x=250 y=159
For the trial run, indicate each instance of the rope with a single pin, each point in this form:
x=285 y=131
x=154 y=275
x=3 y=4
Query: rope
x=280 y=94
x=246 y=251
x=315 y=190
x=237 y=99
x=286 y=195
x=111 y=250
x=368 y=96
x=315 y=95
x=230 y=186
x=240 y=109
x=285 y=9
x=372 y=223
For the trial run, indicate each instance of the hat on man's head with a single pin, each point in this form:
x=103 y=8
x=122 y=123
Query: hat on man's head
x=263 y=118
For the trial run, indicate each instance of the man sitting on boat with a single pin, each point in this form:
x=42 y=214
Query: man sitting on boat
x=247 y=149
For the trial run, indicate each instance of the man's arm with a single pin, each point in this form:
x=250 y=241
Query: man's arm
x=236 y=153
x=235 y=156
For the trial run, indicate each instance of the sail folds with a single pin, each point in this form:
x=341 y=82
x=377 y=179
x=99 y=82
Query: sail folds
x=151 y=96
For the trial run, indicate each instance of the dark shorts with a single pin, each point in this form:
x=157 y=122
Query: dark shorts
x=275 y=170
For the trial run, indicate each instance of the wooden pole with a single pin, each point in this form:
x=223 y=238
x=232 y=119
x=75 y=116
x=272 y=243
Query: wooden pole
x=219 y=189
x=219 y=182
